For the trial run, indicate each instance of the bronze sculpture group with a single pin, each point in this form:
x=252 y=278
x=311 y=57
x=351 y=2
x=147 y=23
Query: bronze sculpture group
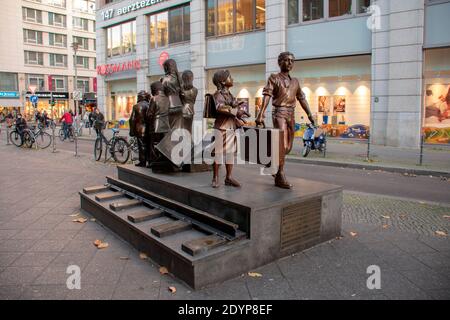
x=171 y=107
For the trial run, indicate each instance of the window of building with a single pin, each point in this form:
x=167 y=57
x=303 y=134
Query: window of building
x=56 y=3
x=84 y=5
x=95 y=44
x=80 y=23
x=312 y=10
x=169 y=27
x=83 y=84
x=57 y=39
x=59 y=83
x=82 y=62
x=230 y=16
x=83 y=43
x=8 y=81
x=339 y=7
x=58 y=60
x=33 y=57
x=55 y=19
x=363 y=6
x=32 y=15
x=122 y=39
x=32 y=36
x=36 y=80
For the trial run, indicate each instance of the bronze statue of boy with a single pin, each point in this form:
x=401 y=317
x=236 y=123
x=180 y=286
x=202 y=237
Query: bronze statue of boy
x=138 y=125
x=284 y=91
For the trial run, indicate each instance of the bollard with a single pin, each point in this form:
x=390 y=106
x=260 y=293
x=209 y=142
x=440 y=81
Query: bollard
x=76 y=143
x=325 y=149
x=7 y=135
x=422 y=139
x=368 y=150
x=53 y=139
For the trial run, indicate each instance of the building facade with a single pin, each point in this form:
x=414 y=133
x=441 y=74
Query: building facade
x=37 y=55
x=368 y=68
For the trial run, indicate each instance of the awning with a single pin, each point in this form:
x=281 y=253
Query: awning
x=10 y=103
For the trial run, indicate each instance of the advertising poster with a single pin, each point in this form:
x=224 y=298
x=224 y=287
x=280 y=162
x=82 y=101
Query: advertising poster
x=324 y=105
x=339 y=104
x=437 y=114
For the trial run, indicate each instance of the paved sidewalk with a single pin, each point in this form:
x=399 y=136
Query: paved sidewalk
x=436 y=159
x=39 y=241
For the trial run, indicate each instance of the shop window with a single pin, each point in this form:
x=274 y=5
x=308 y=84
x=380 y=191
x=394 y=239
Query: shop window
x=36 y=80
x=58 y=60
x=121 y=39
x=312 y=10
x=229 y=16
x=83 y=43
x=8 y=81
x=33 y=57
x=169 y=27
x=32 y=36
x=80 y=23
x=55 y=19
x=292 y=11
x=56 y=39
x=339 y=7
x=83 y=85
x=31 y=15
x=363 y=6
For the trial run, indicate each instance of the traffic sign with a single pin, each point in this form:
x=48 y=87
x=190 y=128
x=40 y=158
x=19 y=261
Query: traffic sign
x=77 y=95
x=33 y=99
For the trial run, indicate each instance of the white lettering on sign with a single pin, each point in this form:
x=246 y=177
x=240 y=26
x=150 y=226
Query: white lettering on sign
x=111 y=13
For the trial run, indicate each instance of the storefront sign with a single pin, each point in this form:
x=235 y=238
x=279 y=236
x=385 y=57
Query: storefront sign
x=48 y=95
x=111 y=13
x=106 y=69
x=9 y=94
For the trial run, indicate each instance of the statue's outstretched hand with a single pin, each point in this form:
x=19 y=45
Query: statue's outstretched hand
x=260 y=122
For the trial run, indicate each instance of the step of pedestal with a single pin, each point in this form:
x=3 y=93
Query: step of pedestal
x=145 y=215
x=106 y=196
x=170 y=228
x=95 y=189
x=201 y=245
x=125 y=204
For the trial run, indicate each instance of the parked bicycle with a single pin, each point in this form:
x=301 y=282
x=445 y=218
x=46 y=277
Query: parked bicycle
x=116 y=148
x=70 y=133
x=15 y=137
x=38 y=136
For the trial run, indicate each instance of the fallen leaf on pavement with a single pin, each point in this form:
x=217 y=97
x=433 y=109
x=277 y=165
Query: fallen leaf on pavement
x=163 y=270
x=97 y=242
x=403 y=216
x=103 y=245
x=255 y=274
x=172 y=289
x=143 y=256
x=441 y=233
x=339 y=238
x=80 y=220
x=446 y=217
x=386 y=217
x=93 y=219
x=353 y=234
x=74 y=215
x=385 y=226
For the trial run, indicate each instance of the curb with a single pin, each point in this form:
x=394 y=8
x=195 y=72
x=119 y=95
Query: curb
x=419 y=172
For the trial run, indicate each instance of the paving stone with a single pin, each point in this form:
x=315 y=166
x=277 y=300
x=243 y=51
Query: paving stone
x=29 y=234
x=66 y=259
x=60 y=234
x=137 y=292
x=8 y=233
x=44 y=292
x=91 y=292
x=53 y=275
x=19 y=275
x=34 y=259
x=439 y=294
x=16 y=245
x=49 y=245
x=427 y=279
x=7 y=258
x=12 y=292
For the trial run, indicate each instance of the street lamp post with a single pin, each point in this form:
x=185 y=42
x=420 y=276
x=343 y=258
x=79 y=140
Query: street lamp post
x=75 y=49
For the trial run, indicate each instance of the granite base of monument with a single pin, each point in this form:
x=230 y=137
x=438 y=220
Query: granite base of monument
x=205 y=235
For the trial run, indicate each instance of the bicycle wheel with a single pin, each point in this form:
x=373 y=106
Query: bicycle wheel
x=14 y=136
x=121 y=150
x=43 y=140
x=28 y=139
x=98 y=146
x=61 y=134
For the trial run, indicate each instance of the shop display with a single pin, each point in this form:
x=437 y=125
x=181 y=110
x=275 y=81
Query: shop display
x=437 y=113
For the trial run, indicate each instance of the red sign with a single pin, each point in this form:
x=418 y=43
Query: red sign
x=163 y=57
x=50 y=85
x=94 y=83
x=106 y=69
